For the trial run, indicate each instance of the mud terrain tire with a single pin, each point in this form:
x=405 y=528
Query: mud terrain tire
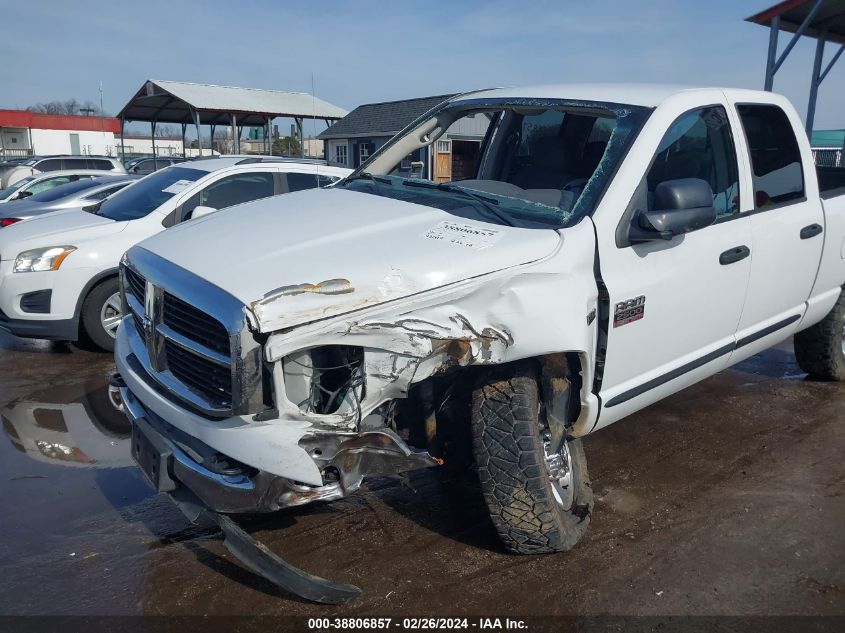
x=820 y=349
x=507 y=428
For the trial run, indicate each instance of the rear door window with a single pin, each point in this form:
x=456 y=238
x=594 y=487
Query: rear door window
x=232 y=190
x=76 y=163
x=144 y=167
x=51 y=164
x=778 y=175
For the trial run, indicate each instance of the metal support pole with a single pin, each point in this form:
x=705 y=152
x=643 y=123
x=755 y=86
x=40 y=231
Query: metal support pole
x=815 y=80
x=268 y=135
x=795 y=37
x=213 y=127
x=153 y=136
x=196 y=116
x=184 y=125
x=836 y=56
x=299 y=133
x=122 y=148
x=774 y=29
x=236 y=142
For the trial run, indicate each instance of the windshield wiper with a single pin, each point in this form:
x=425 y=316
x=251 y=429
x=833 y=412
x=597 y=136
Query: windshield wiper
x=365 y=175
x=489 y=204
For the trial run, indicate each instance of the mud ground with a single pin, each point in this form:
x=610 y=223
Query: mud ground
x=726 y=499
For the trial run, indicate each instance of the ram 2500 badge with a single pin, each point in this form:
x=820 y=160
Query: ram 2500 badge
x=610 y=246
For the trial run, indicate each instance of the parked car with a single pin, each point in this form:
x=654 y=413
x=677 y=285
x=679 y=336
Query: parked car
x=31 y=185
x=10 y=164
x=58 y=274
x=41 y=164
x=72 y=195
x=147 y=165
x=615 y=245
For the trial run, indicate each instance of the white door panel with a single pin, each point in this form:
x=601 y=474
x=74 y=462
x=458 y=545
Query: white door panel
x=787 y=224
x=692 y=307
x=693 y=290
x=783 y=266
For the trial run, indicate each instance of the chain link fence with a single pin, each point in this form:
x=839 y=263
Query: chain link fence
x=828 y=156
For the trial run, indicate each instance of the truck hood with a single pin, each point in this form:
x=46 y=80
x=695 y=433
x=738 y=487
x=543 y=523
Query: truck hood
x=310 y=255
x=56 y=229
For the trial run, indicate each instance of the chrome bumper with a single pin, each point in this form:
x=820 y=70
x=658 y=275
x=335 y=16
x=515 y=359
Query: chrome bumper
x=257 y=492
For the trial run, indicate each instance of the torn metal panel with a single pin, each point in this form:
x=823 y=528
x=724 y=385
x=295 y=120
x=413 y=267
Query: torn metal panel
x=527 y=311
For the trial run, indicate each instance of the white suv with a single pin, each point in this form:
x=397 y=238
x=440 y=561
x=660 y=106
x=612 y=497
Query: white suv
x=58 y=272
x=42 y=164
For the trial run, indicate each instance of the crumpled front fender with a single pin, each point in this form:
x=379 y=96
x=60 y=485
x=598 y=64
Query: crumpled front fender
x=526 y=311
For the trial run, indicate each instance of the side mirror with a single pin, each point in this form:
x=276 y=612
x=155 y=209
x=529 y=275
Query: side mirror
x=22 y=194
x=200 y=211
x=682 y=205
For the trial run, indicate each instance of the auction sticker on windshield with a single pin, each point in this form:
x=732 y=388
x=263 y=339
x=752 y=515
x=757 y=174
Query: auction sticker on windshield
x=177 y=186
x=463 y=235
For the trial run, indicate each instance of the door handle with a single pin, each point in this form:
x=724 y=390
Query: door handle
x=811 y=231
x=734 y=255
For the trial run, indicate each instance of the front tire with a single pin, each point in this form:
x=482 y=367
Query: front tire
x=101 y=314
x=820 y=349
x=539 y=503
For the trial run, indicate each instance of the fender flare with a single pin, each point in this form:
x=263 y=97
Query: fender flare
x=96 y=279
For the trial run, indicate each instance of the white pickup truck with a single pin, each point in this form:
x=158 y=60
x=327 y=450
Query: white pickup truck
x=617 y=244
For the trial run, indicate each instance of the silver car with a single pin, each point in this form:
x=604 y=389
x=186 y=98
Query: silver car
x=73 y=195
x=14 y=170
x=31 y=185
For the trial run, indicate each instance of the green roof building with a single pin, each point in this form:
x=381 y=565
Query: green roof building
x=828 y=138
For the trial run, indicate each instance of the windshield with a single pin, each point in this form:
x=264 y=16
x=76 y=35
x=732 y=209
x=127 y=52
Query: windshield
x=530 y=163
x=149 y=193
x=14 y=188
x=56 y=193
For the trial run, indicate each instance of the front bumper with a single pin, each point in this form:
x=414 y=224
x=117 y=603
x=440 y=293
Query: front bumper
x=175 y=472
x=61 y=323
x=54 y=329
x=162 y=453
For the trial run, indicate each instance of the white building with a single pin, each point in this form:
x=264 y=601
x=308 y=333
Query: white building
x=24 y=133
x=140 y=144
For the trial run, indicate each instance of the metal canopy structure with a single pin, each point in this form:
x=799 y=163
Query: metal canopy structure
x=160 y=101
x=823 y=20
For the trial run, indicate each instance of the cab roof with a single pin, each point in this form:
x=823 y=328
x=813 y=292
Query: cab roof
x=222 y=162
x=648 y=95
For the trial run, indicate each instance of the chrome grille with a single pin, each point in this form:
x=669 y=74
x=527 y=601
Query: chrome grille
x=135 y=284
x=208 y=378
x=191 y=337
x=139 y=325
x=195 y=324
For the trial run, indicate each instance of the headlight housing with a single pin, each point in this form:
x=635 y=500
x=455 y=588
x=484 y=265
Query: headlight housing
x=39 y=259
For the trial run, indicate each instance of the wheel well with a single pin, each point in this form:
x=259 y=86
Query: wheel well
x=93 y=283
x=436 y=413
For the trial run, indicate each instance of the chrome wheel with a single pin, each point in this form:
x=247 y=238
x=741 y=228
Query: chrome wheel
x=560 y=472
x=110 y=314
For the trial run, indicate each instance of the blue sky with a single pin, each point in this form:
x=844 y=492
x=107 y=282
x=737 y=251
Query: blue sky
x=366 y=51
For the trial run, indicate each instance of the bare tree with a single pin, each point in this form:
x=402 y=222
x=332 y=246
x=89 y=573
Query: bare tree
x=68 y=106
x=166 y=131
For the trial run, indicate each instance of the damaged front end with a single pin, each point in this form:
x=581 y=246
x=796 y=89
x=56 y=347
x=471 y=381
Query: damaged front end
x=271 y=405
